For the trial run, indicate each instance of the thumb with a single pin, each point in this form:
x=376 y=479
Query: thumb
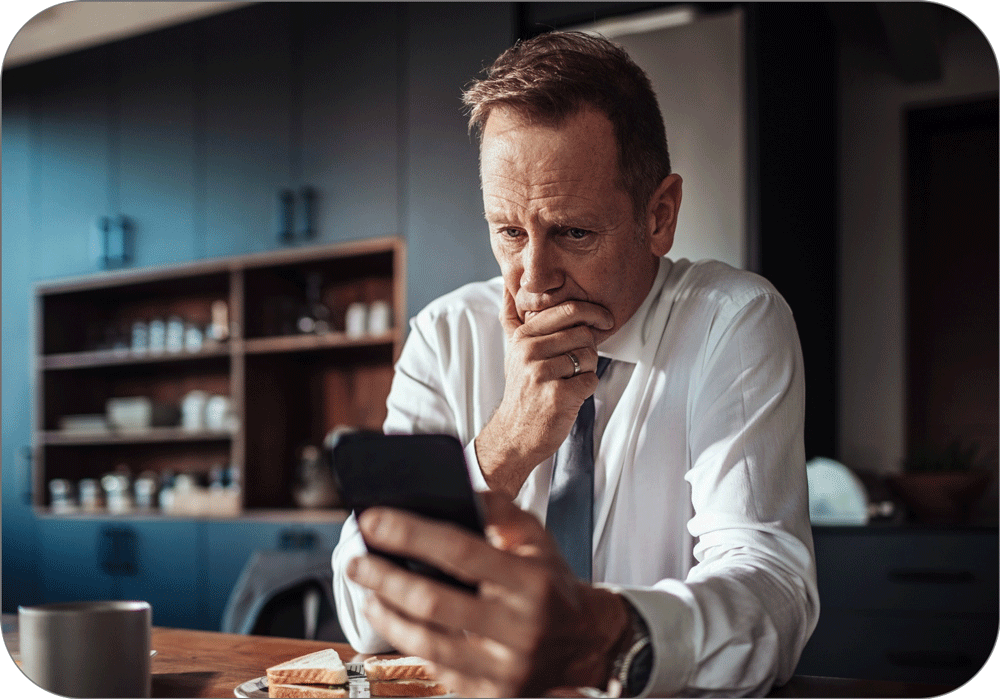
x=509 y=318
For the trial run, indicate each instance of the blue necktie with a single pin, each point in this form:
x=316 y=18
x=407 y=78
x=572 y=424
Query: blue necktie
x=570 y=515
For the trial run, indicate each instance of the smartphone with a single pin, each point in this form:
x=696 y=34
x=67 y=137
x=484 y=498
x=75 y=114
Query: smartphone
x=422 y=473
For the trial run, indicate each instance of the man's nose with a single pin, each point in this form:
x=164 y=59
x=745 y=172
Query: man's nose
x=542 y=272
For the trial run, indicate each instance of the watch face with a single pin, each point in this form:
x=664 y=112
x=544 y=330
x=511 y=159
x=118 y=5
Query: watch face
x=639 y=671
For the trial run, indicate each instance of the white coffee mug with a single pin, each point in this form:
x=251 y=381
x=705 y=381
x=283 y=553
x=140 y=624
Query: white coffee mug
x=87 y=649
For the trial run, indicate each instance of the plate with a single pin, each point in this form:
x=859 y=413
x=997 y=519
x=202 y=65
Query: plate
x=252 y=689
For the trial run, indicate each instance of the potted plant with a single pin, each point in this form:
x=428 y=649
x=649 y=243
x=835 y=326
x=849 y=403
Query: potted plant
x=941 y=485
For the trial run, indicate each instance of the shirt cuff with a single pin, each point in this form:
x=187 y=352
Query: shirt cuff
x=671 y=628
x=475 y=472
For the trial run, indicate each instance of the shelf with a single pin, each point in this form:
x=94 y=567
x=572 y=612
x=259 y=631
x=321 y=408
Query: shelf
x=305 y=343
x=111 y=358
x=272 y=516
x=286 y=390
x=151 y=436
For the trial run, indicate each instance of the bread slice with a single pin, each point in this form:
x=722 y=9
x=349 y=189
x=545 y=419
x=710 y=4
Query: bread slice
x=324 y=667
x=307 y=691
x=406 y=688
x=408 y=668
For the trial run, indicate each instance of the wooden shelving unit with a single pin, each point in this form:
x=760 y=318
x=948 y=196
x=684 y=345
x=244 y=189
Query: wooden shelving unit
x=288 y=389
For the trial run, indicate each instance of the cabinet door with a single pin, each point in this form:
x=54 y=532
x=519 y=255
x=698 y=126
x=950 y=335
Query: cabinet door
x=18 y=523
x=82 y=559
x=243 y=82
x=69 y=555
x=70 y=143
x=350 y=109
x=167 y=576
x=229 y=546
x=154 y=162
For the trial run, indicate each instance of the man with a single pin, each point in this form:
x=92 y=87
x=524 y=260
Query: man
x=697 y=539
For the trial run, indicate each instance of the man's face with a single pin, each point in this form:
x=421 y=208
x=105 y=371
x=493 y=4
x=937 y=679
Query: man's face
x=560 y=225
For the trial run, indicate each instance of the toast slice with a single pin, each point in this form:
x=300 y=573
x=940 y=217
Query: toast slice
x=307 y=691
x=408 y=668
x=324 y=667
x=406 y=688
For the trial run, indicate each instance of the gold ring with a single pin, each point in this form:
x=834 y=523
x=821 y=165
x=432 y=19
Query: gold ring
x=576 y=363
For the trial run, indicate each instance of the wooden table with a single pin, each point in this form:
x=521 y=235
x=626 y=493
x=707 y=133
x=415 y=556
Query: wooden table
x=209 y=664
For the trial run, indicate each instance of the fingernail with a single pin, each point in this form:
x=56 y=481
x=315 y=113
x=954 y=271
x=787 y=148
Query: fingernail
x=493 y=536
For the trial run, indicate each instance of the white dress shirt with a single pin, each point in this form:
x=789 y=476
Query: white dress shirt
x=700 y=504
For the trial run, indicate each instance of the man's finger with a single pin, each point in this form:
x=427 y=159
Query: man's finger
x=443 y=545
x=566 y=315
x=467 y=654
x=436 y=603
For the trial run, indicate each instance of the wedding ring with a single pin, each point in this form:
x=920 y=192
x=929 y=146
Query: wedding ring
x=576 y=363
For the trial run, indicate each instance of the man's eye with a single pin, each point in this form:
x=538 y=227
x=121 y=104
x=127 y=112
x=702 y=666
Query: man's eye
x=510 y=232
x=576 y=233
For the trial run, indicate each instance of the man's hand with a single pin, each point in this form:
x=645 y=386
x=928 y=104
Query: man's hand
x=541 y=395
x=531 y=627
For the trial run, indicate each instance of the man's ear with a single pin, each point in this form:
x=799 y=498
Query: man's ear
x=662 y=214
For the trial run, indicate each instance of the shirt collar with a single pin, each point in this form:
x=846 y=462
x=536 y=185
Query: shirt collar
x=626 y=344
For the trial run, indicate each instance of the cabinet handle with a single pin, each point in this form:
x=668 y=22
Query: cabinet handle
x=287 y=201
x=297 y=539
x=928 y=658
x=308 y=195
x=116 y=241
x=119 y=549
x=28 y=490
x=931 y=575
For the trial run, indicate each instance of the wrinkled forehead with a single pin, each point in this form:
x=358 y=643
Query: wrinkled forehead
x=580 y=148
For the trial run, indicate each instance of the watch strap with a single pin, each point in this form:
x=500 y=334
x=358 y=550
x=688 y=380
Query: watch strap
x=632 y=668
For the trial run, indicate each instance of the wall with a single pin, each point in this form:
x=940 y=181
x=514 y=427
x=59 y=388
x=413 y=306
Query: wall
x=872 y=342
x=697 y=72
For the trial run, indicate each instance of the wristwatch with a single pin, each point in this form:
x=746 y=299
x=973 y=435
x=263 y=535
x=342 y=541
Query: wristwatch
x=633 y=667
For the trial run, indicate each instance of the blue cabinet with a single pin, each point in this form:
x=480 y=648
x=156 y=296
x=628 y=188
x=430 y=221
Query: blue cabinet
x=154 y=156
x=156 y=561
x=185 y=569
x=905 y=604
x=70 y=140
x=18 y=528
x=245 y=97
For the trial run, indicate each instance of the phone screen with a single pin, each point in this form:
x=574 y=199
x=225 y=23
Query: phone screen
x=425 y=474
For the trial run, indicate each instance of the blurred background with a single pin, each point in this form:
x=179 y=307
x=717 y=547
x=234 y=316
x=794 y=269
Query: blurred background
x=218 y=217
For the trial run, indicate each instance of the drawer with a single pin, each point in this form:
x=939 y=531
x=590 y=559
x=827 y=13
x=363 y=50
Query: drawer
x=908 y=570
x=948 y=650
